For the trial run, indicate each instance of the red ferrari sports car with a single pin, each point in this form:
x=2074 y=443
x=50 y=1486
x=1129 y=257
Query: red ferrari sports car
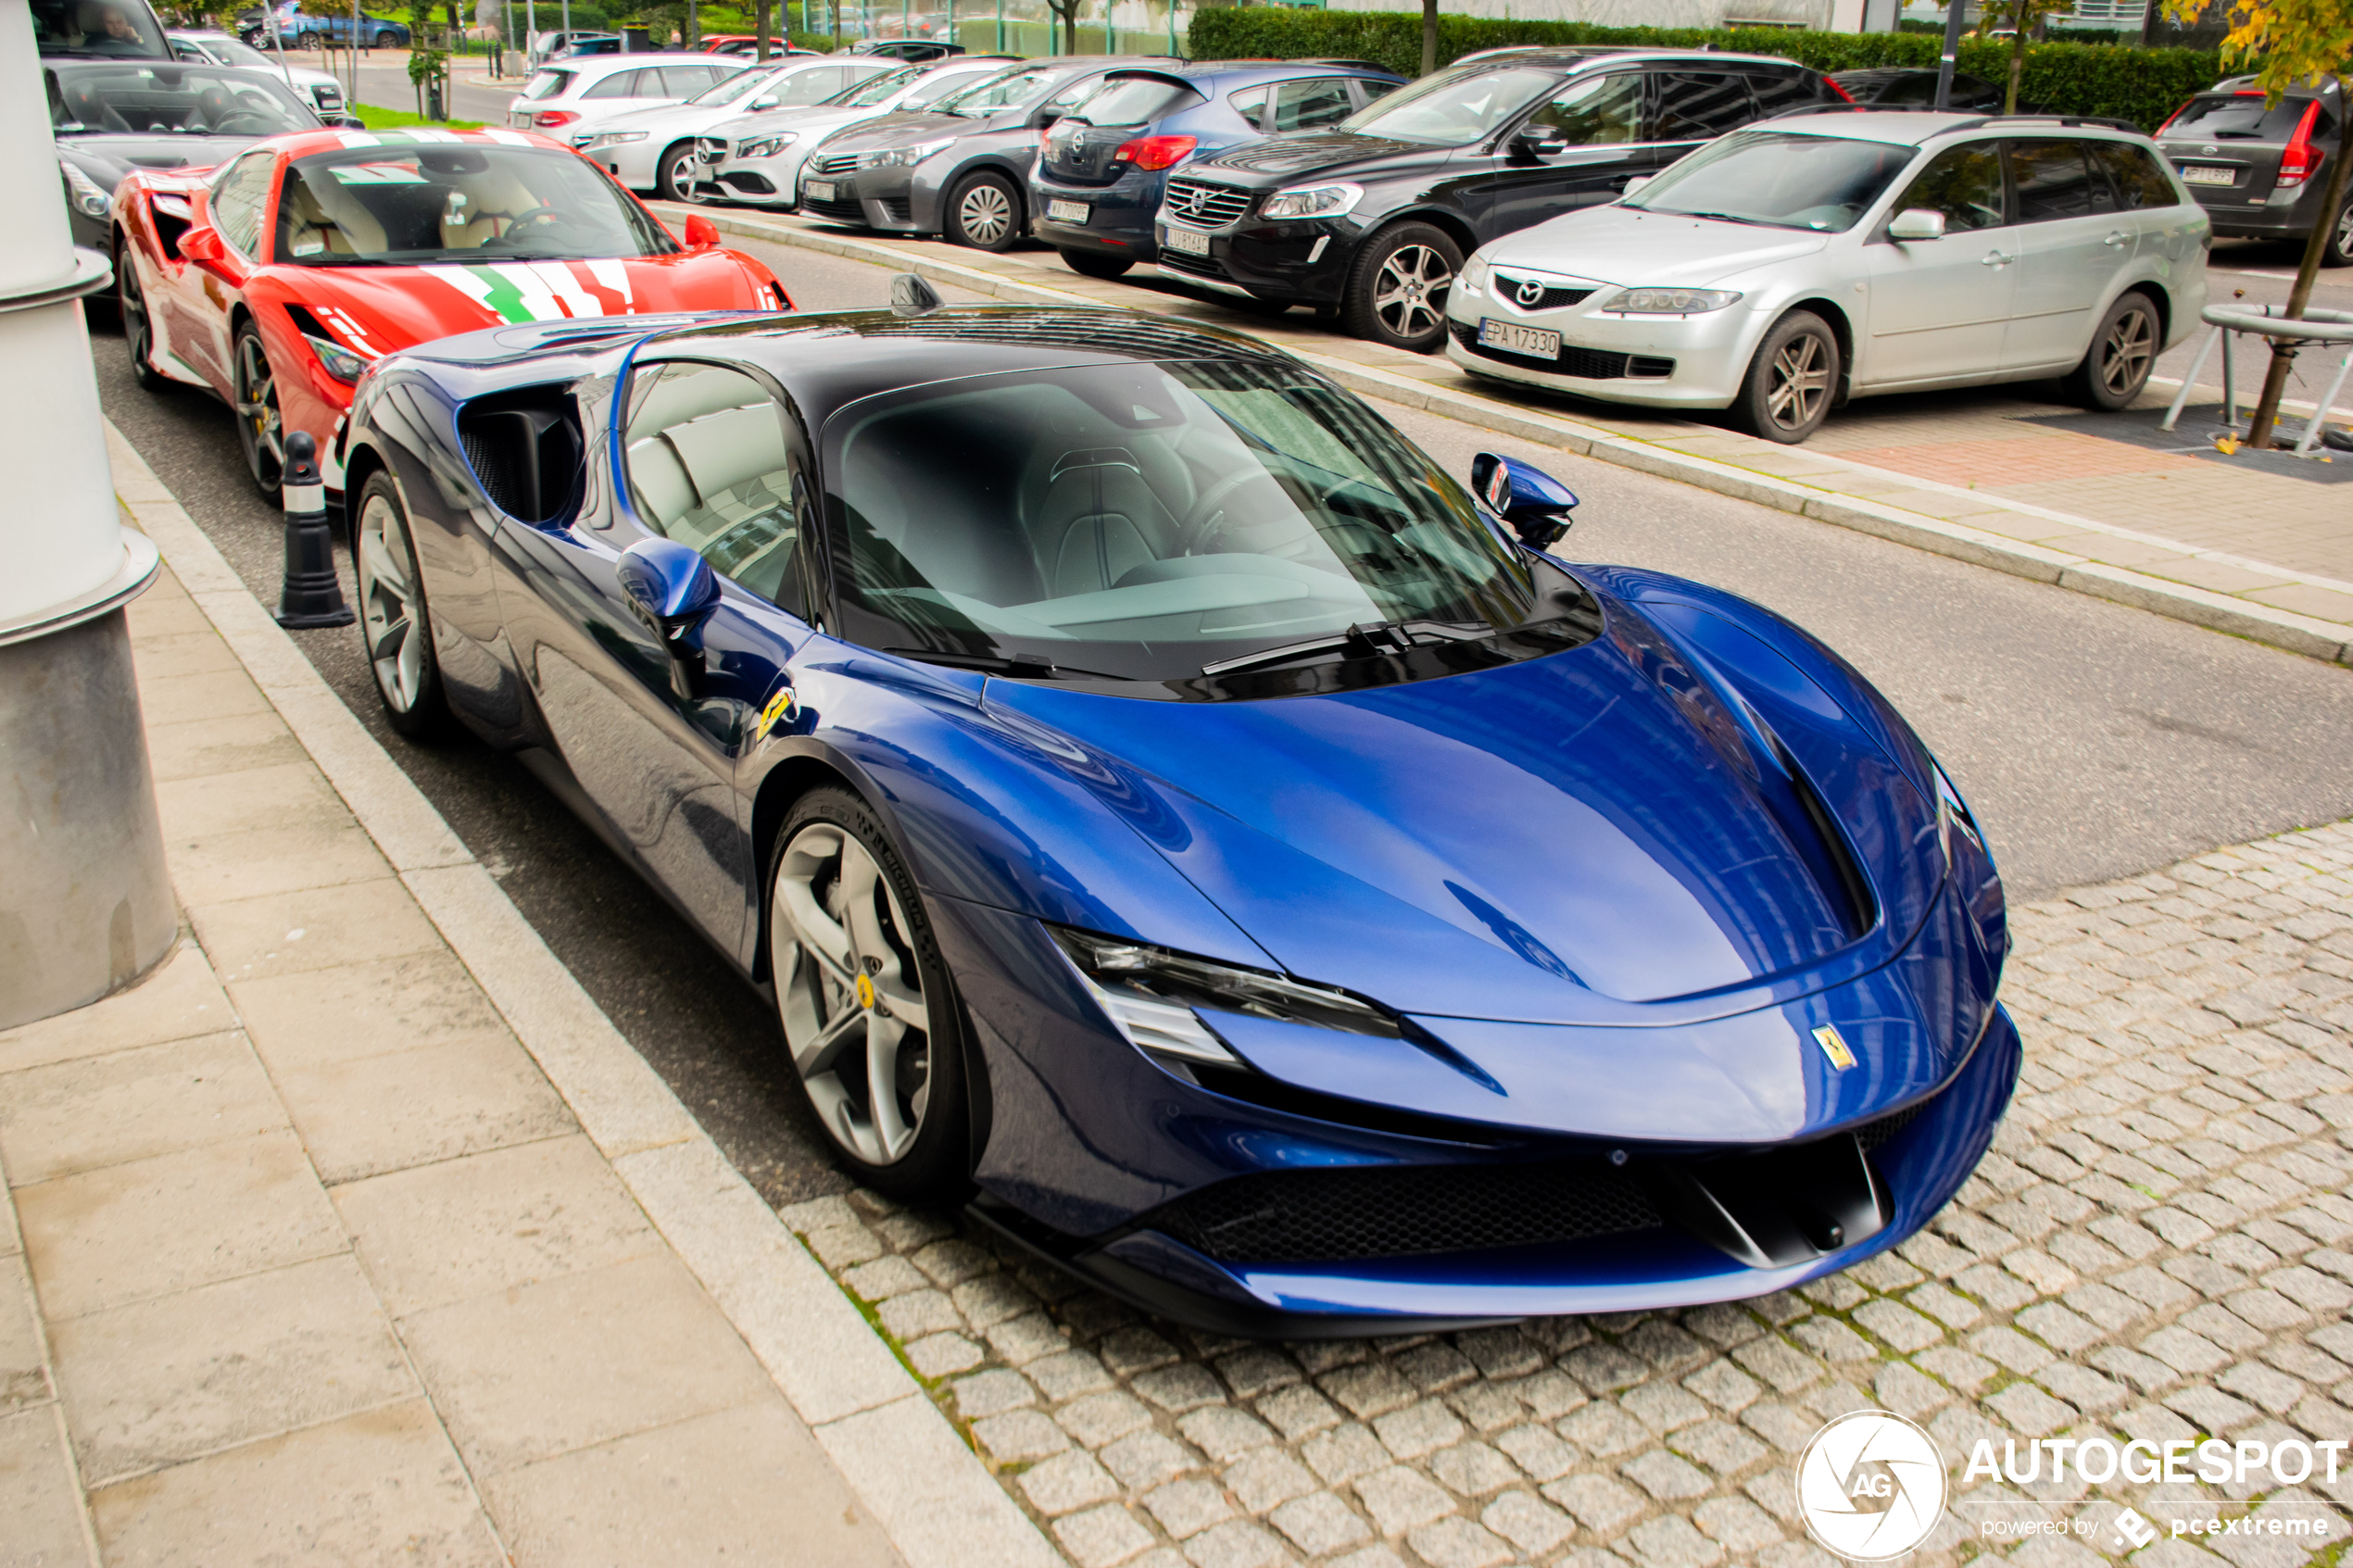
x=275 y=279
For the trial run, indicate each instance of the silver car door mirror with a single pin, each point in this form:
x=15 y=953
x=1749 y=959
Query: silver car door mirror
x=1917 y=223
x=1633 y=184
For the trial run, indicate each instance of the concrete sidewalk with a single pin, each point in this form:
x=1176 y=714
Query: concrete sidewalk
x=2257 y=555
x=353 y=1233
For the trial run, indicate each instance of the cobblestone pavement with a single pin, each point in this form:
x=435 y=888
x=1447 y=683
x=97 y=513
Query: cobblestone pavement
x=2157 y=1248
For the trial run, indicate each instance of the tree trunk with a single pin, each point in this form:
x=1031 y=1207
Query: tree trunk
x=2267 y=408
x=2017 y=70
x=1070 y=29
x=760 y=44
x=1429 y=37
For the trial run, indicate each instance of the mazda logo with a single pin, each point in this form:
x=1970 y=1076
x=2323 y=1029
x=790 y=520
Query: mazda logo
x=1530 y=290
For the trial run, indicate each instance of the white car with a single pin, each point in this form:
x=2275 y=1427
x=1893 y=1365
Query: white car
x=1832 y=253
x=322 y=88
x=654 y=149
x=757 y=159
x=570 y=97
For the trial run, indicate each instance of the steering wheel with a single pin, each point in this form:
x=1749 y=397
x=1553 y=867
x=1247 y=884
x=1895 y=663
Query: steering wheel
x=229 y=124
x=543 y=217
x=1202 y=522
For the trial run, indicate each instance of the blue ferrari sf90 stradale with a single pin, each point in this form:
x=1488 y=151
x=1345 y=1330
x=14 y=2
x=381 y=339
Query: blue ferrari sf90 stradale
x=1173 y=816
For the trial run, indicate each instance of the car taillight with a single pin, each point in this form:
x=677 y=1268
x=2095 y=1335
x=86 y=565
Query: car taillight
x=1844 y=94
x=1155 y=152
x=2302 y=159
x=548 y=120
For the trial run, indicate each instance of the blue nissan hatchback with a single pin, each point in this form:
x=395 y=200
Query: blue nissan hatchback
x=1098 y=178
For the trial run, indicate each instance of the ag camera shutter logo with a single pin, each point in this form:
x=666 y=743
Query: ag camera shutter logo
x=1871 y=1487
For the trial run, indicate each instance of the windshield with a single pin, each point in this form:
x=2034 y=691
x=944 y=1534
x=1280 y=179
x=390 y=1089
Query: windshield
x=1453 y=108
x=1133 y=100
x=874 y=89
x=1143 y=521
x=1779 y=181
x=123 y=28
x=732 y=88
x=228 y=52
x=159 y=100
x=401 y=206
x=1004 y=90
x=2239 y=118
x=546 y=85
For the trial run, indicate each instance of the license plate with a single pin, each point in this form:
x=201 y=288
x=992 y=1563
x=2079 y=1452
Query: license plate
x=1511 y=338
x=1187 y=241
x=2207 y=174
x=817 y=190
x=1068 y=212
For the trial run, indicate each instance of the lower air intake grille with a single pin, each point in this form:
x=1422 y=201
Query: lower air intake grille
x=1389 y=1212
x=839 y=211
x=1184 y=261
x=1877 y=1135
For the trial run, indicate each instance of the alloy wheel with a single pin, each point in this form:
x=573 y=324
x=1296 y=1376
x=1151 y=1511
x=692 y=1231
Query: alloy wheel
x=2125 y=355
x=387 y=575
x=850 y=995
x=257 y=405
x=2345 y=231
x=1409 y=291
x=985 y=214
x=682 y=176
x=1799 y=382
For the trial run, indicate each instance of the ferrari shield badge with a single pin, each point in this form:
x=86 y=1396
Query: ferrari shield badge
x=782 y=708
x=1833 y=1046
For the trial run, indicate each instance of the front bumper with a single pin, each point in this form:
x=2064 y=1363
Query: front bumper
x=892 y=200
x=1301 y=263
x=1653 y=362
x=1119 y=216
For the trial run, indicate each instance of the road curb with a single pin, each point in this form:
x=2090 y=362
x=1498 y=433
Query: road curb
x=2327 y=640
x=844 y=1382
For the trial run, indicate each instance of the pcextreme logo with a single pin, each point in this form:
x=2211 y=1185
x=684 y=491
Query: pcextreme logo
x=1870 y=1486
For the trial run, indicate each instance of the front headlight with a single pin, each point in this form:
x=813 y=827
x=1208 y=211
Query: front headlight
x=340 y=362
x=84 y=191
x=618 y=138
x=767 y=146
x=902 y=157
x=1151 y=993
x=1473 y=277
x=1313 y=201
x=1671 y=302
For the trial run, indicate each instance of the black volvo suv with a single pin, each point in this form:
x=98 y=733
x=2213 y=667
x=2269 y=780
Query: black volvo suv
x=1371 y=219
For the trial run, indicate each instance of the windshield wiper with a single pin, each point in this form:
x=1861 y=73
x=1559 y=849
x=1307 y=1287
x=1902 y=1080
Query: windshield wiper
x=1360 y=642
x=1018 y=666
x=1723 y=216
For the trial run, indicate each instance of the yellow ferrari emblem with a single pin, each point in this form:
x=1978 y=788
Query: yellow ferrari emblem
x=781 y=709
x=1833 y=1046
x=865 y=989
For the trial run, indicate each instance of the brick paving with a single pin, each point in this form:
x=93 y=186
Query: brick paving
x=2160 y=1247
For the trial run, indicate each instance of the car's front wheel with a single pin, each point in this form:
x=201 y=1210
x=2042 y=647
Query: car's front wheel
x=395 y=626
x=985 y=213
x=1397 y=293
x=863 y=999
x=1792 y=380
x=675 y=176
x=388 y=40
x=1096 y=263
x=2338 y=249
x=2123 y=352
x=138 y=333
x=254 y=394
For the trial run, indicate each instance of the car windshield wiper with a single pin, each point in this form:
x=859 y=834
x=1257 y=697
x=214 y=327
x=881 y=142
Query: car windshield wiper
x=1721 y=216
x=1019 y=666
x=1360 y=641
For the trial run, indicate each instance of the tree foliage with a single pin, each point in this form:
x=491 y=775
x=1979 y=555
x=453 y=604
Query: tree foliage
x=2024 y=18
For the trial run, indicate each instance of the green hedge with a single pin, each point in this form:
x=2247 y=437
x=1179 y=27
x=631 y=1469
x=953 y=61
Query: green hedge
x=2141 y=85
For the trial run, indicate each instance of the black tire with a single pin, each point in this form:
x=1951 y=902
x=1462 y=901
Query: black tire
x=676 y=157
x=2123 y=352
x=830 y=1025
x=2338 y=251
x=396 y=620
x=138 y=334
x=254 y=399
x=1096 y=263
x=985 y=212
x=1396 y=292
x=1791 y=381
x=388 y=40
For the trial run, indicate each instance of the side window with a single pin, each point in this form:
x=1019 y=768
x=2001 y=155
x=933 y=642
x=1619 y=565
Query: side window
x=620 y=84
x=1250 y=103
x=1367 y=89
x=1964 y=183
x=1693 y=104
x=685 y=82
x=1595 y=109
x=1781 y=90
x=1305 y=106
x=2052 y=181
x=709 y=466
x=236 y=202
x=2139 y=181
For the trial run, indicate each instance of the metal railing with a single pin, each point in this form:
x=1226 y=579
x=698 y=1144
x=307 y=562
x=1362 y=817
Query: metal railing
x=2228 y=322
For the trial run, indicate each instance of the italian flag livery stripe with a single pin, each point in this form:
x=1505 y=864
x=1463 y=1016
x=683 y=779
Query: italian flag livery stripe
x=543 y=291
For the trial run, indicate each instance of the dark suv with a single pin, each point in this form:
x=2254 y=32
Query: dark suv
x=2257 y=171
x=1372 y=219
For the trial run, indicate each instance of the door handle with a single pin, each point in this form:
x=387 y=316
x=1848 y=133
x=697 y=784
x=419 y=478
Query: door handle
x=2115 y=237
x=1995 y=258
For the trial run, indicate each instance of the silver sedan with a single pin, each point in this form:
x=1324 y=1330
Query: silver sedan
x=1780 y=270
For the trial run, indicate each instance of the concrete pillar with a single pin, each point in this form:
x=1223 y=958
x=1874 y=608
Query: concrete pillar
x=85 y=905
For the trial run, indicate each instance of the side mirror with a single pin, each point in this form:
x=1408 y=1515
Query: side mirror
x=1044 y=117
x=1917 y=223
x=1540 y=141
x=672 y=589
x=201 y=243
x=761 y=105
x=1532 y=502
x=344 y=121
x=701 y=232
x=1635 y=183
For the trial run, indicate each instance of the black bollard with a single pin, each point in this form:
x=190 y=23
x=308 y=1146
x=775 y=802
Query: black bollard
x=313 y=595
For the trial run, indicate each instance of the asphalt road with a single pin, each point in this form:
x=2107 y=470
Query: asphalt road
x=2092 y=740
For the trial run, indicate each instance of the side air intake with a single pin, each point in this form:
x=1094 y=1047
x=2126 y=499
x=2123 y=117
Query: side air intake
x=524 y=448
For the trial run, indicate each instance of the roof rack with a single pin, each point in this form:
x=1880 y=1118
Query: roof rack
x=1975 y=122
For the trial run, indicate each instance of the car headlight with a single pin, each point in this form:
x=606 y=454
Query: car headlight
x=1151 y=993
x=902 y=158
x=84 y=191
x=1313 y=201
x=1473 y=277
x=1671 y=302
x=767 y=146
x=340 y=362
x=617 y=138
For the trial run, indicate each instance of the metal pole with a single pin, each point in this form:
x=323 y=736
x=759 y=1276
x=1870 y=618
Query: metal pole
x=85 y=901
x=1952 y=9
